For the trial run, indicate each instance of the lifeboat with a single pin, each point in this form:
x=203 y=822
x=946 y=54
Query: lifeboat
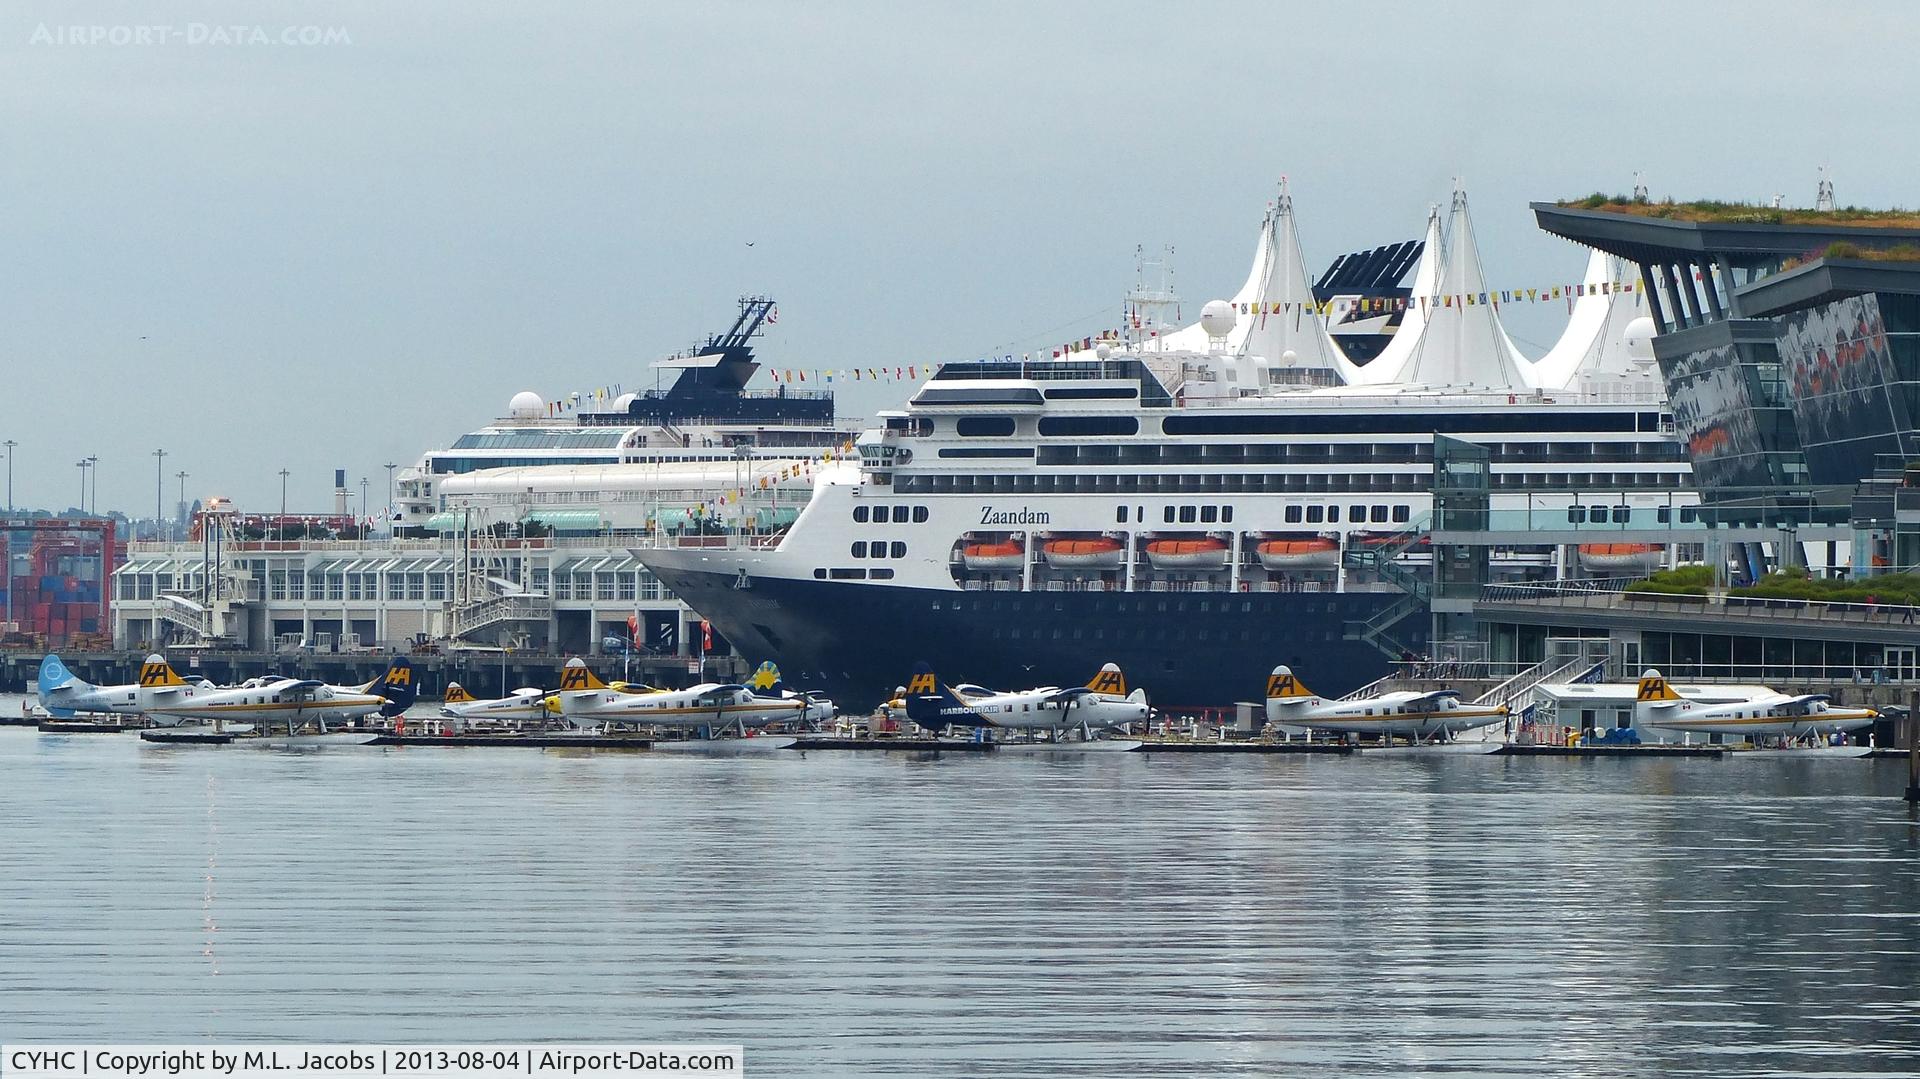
x=1101 y=553
x=1003 y=555
x=1206 y=553
x=1299 y=554
x=1636 y=557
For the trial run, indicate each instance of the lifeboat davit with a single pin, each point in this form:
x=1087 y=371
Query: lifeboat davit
x=1002 y=555
x=1188 y=554
x=1101 y=553
x=1638 y=557
x=1299 y=554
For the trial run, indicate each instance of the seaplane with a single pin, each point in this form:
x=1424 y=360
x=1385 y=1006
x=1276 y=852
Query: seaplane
x=1808 y=715
x=524 y=704
x=1101 y=704
x=300 y=707
x=1437 y=714
x=585 y=701
x=816 y=708
x=63 y=693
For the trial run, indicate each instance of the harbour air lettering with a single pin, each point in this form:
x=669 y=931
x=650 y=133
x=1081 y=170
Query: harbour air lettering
x=991 y=516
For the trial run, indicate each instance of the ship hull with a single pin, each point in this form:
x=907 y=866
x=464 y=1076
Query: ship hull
x=1187 y=649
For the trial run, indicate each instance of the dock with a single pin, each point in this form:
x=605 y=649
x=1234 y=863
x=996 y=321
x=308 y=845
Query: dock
x=86 y=726
x=1332 y=749
x=1708 y=752
x=894 y=745
x=517 y=741
x=187 y=737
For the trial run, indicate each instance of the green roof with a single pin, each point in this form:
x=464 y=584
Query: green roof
x=567 y=520
x=1746 y=213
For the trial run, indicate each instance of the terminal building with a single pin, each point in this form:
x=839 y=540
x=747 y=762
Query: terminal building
x=1789 y=345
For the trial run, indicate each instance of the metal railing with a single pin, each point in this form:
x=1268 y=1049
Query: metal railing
x=1614 y=594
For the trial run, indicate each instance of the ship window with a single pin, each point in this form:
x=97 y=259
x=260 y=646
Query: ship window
x=1187 y=514
x=1209 y=514
x=899 y=515
x=1168 y=515
x=1597 y=514
x=1140 y=513
x=860 y=514
x=1356 y=514
x=820 y=574
x=1689 y=513
x=880 y=515
x=878 y=550
x=1664 y=514
x=1226 y=514
x=1402 y=514
x=1333 y=514
x=919 y=515
x=1378 y=515
x=1293 y=515
x=1622 y=514
x=859 y=548
x=983 y=426
x=849 y=574
x=1576 y=514
x=1316 y=514
x=1120 y=515
x=881 y=574
x=899 y=549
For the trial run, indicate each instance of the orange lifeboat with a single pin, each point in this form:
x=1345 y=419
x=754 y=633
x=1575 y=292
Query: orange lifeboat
x=1099 y=553
x=1299 y=554
x=1614 y=557
x=1208 y=553
x=1003 y=555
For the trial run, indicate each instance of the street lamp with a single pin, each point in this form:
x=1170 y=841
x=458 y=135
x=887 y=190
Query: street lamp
x=159 y=457
x=389 y=466
x=81 y=464
x=93 y=466
x=180 y=511
x=282 y=527
x=363 y=504
x=9 y=444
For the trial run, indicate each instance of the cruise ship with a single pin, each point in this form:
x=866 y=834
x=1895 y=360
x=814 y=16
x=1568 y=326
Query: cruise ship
x=1202 y=504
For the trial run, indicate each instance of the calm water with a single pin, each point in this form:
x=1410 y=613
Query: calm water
x=877 y=915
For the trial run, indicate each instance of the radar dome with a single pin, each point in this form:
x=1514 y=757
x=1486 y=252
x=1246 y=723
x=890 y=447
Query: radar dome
x=1102 y=351
x=1638 y=337
x=1217 y=318
x=623 y=402
x=526 y=403
x=1289 y=357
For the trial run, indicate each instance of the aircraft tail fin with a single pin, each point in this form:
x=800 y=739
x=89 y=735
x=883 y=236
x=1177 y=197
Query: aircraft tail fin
x=157 y=673
x=456 y=694
x=397 y=687
x=1282 y=685
x=1654 y=687
x=577 y=676
x=766 y=680
x=1109 y=680
x=927 y=697
x=55 y=676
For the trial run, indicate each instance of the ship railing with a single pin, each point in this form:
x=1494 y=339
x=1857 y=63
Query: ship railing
x=1614 y=593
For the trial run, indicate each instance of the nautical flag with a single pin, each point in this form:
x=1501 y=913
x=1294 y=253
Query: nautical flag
x=633 y=625
x=706 y=635
x=773 y=315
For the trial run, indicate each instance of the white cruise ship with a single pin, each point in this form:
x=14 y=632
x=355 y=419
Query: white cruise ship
x=1196 y=507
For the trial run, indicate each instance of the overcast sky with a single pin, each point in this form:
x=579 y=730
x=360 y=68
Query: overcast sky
x=260 y=255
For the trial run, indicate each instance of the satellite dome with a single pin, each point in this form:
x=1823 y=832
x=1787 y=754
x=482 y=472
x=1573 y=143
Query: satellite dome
x=1289 y=357
x=1217 y=318
x=1638 y=337
x=1102 y=351
x=526 y=403
x=623 y=402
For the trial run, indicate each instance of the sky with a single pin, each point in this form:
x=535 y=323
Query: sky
x=309 y=236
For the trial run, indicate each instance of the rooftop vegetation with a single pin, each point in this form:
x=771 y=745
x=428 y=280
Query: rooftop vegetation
x=1746 y=213
x=1792 y=583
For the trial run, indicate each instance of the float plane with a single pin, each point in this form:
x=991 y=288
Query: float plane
x=294 y=702
x=1102 y=703
x=1406 y=714
x=586 y=701
x=63 y=693
x=527 y=703
x=1657 y=705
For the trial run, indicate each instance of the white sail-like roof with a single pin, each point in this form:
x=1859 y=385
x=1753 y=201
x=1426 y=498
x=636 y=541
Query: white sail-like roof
x=1593 y=349
x=1272 y=309
x=1462 y=343
x=1387 y=365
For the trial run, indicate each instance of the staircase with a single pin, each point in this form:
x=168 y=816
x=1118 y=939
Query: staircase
x=187 y=614
x=1553 y=669
x=487 y=612
x=1382 y=559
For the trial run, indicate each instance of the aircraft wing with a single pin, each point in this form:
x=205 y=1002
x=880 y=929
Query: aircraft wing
x=291 y=684
x=1798 y=705
x=1428 y=700
x=1070 y=694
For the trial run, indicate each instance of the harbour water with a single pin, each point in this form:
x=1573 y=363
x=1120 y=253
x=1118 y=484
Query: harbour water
x=866 y=914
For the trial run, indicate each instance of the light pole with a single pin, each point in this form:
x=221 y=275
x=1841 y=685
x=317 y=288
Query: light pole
x=389 y=466
x=81 y=464
x=180 y=511
x=363 y=505
x=159 y=477
x=9 y=444
x=282 y=526
x=93 y=466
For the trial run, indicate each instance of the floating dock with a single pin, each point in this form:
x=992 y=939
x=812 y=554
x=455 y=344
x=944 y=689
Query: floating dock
x=85 y=726
x=518 y=741
x=1708 y=752
x=894 y=745
x=187 y=738
x=1332 y=749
